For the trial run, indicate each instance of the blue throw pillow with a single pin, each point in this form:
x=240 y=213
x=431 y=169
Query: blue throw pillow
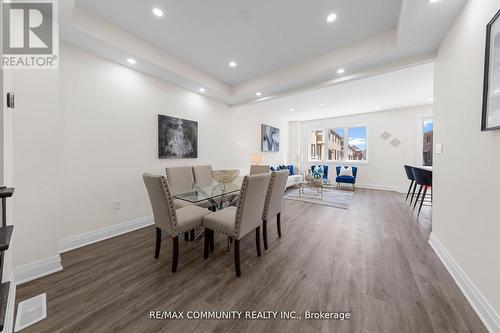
x=290 y=167
x=272 y=169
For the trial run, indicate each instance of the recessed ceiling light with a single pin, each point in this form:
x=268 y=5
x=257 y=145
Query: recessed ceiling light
x=258 y=94
x=232 y=64
x=202 y=89
x=131 y=61
x=377 y=107
x=322 y=104
x=340 y=71
x=433 y=1
x=331 y=17
x=158 y=12
x=291 y=110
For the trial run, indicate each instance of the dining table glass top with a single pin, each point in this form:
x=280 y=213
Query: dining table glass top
x=209 y=191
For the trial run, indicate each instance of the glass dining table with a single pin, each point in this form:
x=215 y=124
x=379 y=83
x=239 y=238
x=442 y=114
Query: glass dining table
x=217 y=194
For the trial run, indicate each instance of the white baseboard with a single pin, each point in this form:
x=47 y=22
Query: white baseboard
x=11 y=304
x=479 y=303
x=74 y=242
x=381 y=188
x=37 y=269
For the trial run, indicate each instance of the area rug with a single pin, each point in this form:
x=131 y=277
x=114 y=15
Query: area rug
x=333 y=198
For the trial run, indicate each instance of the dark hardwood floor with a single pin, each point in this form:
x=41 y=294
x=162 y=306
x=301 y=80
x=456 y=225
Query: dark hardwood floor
x=372 y=260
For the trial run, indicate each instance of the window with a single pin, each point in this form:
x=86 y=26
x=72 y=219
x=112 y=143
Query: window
x=428 y=129
x=346 y=144
x=357 y=144
x=316 y=145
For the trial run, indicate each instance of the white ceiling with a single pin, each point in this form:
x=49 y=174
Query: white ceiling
x=281 y=46
x=261 y=36
x=402 y=88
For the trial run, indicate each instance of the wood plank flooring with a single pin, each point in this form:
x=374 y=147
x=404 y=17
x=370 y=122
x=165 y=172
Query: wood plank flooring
x=372 y=260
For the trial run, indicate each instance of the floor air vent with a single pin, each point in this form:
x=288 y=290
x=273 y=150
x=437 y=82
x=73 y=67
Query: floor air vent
x=30 y=311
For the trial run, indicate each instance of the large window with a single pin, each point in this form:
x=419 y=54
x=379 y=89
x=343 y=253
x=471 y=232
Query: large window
x=428 y=130
x=342 y=144
x=316 y=144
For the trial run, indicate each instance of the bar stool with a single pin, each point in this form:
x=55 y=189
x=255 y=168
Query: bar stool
x=409 y=174
x=424 y=179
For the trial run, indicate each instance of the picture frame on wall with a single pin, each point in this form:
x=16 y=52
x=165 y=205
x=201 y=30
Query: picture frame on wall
x=491 y=87
x=270 y=138
x=177 y=138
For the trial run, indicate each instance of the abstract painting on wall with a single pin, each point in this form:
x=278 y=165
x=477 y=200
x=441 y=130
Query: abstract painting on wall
x=491 y=86
x=177 y=138
x=270 y=138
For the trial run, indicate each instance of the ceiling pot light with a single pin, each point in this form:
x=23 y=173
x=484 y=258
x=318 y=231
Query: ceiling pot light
x=322 y=104
x=331 y=17
x=340 y=71
x=291 y=110
x=202 y=89
x=433 y=1
x=131 y=61
x=258 y=94
x=158 y=12
x=232 y=64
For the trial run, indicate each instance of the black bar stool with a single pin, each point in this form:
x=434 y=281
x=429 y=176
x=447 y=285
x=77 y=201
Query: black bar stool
x=424 y=179
x=409 y=174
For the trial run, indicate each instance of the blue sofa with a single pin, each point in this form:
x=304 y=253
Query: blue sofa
x=347 y=179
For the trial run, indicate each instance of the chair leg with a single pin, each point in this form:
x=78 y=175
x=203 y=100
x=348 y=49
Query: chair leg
x=413 y=194
x=175 y=253
x=212 y=240
x=158 y=243
x=191 y=234
x=409 y=190
x=278 y=223
x=237 y=257
x=264 y=233
x=206 y=243
x=418 y=196
x=186 y=236
x=422 y=201
x=257 y=241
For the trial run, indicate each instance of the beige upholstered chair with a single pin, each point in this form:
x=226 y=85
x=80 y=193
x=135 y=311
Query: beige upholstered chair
x=180 y=179
x=237 y=222
x=258 y=169
x=203 y=174
x=274 y=201
x=167 y=218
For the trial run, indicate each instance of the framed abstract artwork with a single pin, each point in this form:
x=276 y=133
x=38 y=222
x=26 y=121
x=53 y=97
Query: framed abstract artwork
x=491 y=87
x=270 y=137
x=177 y=138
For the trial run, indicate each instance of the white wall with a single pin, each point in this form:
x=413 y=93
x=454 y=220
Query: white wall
x=384 y=168
x=74 y=158
x=465 y=210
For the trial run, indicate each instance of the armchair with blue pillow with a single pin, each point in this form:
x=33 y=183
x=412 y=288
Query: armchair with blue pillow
x=320 y=172
x=346 y=175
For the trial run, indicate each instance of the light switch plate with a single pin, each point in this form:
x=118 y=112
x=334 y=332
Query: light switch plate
x=439 y=148
x=117 y=204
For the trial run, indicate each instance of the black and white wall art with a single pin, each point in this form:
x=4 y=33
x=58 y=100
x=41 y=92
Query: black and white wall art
x=491 y=94
x=270 y=138
x=177 y=138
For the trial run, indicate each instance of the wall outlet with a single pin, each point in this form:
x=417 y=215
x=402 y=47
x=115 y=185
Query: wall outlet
x=439 y=148
x=117 y=204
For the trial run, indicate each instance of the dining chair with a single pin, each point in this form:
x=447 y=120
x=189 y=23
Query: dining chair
x=180 y=179
x=237 y=222
x=168 y=219
x=258 y=169
x=409 y=174
x=424 y=179
x=274 y=201
x=203 y=174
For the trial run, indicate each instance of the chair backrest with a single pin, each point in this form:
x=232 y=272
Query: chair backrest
x=354 y=171
x=203 y=175
x=409 y=172
x=321 y=170
x=275 y=193
x=422 y=177
x=251 y=203
x=258 y=169
x=161 y=202
x=180 y=179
